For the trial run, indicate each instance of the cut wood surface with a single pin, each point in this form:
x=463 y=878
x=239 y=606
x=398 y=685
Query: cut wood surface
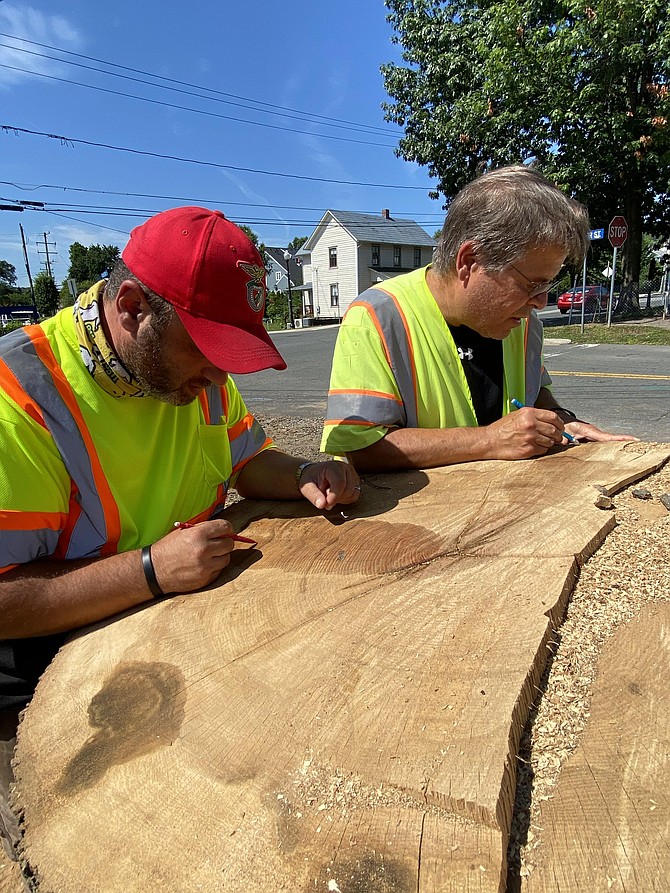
x=607 y=827
x=10 y=875
x=340 y=712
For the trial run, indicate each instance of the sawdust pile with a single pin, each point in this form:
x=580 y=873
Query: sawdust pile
x=631 y=569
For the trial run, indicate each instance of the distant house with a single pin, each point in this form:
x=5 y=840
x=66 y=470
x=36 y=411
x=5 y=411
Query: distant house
x=277 y=266
x=348 y=252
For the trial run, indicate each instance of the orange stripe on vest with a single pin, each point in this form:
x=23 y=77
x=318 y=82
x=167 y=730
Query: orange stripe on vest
x=110 y=508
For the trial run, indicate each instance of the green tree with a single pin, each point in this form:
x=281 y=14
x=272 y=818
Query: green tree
x=7 y=276
x=297 y=243
x=46 y=294
x=276 y=307
x=10 y=293
x=580 y=89
x=87 y=265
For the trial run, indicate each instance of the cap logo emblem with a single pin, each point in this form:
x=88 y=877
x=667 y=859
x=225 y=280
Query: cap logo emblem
x=255 y=285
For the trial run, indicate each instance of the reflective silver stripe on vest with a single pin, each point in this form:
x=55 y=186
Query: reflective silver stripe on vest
x=365 y=408
x=21 y=546
x=536 y=375
x=90 y=533
x=247 y=444
x=392 y=326
x=215 y=404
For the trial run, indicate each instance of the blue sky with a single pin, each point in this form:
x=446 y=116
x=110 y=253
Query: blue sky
x=316 y=58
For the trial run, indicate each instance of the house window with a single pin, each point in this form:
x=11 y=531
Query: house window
x=397 y=256
x=332 y=257
x=375 y=255
x=334 y=295
x=417 y=257
x=278 y=276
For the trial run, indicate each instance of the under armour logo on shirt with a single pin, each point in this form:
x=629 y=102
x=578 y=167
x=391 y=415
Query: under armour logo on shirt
x=465 y=354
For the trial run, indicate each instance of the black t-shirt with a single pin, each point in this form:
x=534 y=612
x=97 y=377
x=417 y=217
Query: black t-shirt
x=482 y=361
x=22 y=662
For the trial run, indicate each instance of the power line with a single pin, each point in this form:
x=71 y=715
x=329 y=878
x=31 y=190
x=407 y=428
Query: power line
x=172 y=105
x=190 y=200
x=271 y=108
x=7 y=128
x=144 y=213
x=88 y=223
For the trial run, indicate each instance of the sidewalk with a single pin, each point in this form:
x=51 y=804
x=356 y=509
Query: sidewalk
x=657 y=321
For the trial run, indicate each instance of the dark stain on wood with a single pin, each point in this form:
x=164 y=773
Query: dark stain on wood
x=371 y=873
x=139 y=709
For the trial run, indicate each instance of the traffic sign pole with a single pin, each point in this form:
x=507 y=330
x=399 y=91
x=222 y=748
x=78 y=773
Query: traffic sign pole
x=617 y=233
x=610 y=300
x=594 y=234
x=581 y=328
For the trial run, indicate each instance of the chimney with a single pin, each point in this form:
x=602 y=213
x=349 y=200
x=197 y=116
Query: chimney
x=386 y=214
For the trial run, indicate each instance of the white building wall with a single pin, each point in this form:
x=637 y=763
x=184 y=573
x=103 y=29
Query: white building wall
x=344 y=274
x=368 y=277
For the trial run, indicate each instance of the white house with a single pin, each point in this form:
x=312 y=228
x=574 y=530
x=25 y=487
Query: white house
x=348 y=252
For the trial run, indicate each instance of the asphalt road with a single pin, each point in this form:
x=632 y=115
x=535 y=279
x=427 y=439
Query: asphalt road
x=621 y=388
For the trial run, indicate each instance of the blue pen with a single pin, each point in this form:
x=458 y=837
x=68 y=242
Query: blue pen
x=520 y=405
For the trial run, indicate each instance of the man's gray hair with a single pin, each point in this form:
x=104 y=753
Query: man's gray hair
x=507 y=212
x=163 y=311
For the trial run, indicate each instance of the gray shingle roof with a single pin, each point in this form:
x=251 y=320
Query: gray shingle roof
x=377 y=229
x=277 y=254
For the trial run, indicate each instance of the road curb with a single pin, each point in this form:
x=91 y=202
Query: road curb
x=557 y=341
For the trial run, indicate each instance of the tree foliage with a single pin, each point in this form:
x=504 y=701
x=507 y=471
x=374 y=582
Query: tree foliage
x=580 y=89
x=7 y=274
x=10 y=293
x=46 y=294
x=296 y=243
x=87 y=265
x=276 y=307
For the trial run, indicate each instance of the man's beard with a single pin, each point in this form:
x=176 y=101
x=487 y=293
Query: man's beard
x=146 y=361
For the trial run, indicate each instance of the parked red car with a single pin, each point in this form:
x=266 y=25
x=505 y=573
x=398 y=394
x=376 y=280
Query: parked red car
x=596 y=299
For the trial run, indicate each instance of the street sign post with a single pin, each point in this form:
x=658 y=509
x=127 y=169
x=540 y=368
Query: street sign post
x=617 y=233
x=594 y=235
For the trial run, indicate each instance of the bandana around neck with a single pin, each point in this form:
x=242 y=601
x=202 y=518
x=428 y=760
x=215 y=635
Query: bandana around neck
x=96 y=352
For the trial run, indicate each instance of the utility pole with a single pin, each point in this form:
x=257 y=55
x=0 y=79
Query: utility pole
x=25 y=257
x=47 y=261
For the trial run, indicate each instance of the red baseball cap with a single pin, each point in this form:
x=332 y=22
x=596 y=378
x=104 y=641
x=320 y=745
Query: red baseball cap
x=214 y=277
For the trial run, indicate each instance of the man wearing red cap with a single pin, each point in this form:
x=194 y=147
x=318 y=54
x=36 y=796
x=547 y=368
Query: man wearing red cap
x=118 y=420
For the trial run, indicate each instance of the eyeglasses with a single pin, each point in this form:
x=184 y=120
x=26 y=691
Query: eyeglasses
x=536 y=288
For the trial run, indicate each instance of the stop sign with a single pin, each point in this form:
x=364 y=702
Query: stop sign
x=617 y=231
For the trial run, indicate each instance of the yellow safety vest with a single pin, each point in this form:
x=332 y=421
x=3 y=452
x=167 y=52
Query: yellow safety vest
x=396 y=365
x=86 y=474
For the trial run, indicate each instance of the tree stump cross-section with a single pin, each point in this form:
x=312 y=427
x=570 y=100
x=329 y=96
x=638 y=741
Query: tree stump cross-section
x=339 y=712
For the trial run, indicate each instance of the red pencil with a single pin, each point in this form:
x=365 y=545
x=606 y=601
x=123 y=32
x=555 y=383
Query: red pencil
x=184 y=525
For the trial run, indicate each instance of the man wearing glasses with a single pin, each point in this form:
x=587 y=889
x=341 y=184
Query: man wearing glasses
x=429 y=366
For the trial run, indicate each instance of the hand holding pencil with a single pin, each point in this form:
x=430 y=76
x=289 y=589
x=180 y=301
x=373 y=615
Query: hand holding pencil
x=193 y=555
x=520 y=405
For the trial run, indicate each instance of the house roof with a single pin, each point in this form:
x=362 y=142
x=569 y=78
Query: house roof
x=374 y=228
x=277 y=255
